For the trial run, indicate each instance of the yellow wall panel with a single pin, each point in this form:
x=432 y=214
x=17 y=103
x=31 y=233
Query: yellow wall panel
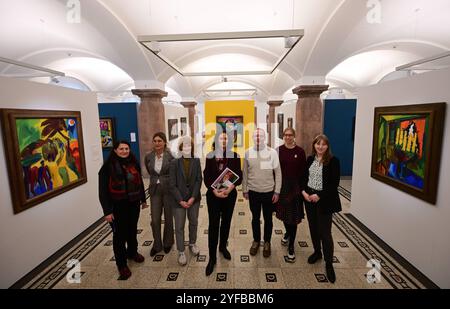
x=245 y=108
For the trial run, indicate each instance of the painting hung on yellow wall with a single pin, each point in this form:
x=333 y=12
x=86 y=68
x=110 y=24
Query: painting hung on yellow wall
x=234 y=124
x=45 y=154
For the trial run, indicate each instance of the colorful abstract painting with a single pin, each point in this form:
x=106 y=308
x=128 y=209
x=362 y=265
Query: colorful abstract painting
x=406 y=149
x=400 y=147
x=45 y=154
x=107 y=132
x=233 y=125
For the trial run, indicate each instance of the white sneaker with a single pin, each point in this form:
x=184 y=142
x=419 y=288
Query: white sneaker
x=285 y=239
x=182 y=259
x=290 y=258
x=194 y=249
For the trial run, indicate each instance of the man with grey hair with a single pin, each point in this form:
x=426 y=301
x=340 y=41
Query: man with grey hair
x=261 y=184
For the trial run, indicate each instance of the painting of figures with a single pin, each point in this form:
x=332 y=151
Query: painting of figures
x=45 y=154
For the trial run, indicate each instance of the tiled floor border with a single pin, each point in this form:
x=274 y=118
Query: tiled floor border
x=398 y=272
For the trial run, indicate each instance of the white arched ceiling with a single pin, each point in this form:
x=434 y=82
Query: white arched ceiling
x=335 y=30
x=150 y=17
x=369 y=67
x=94 y=72
x=267 y=85
x=422 y=26
x=38 y=32
x=235 y=55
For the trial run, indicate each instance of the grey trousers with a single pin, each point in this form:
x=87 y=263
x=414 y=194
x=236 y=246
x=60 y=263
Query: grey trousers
x=160 y=202
x=180 y=220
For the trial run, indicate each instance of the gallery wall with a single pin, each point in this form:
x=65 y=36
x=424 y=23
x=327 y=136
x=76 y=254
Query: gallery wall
x=125 y=124
x=287 y=110
x=30 y=237
x=174 y=112
x=417 y=230
x=245 y=108
x=338 y=125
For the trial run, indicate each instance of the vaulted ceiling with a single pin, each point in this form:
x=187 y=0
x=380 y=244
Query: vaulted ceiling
x=352 y=43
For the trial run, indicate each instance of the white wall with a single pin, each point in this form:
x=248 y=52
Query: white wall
x=175 y=111
x=288 y=109
x=417 y=230
x=30 y=237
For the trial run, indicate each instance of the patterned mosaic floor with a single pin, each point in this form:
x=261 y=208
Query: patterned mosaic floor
x=353 y=250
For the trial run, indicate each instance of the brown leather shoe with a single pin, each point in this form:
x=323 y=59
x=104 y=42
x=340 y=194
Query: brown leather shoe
x=266 y=250
x=254 y=248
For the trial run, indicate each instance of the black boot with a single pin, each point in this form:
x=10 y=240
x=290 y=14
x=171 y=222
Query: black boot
x=210 y=266
x=314 y=257
x=225 y=252
x=330 y=272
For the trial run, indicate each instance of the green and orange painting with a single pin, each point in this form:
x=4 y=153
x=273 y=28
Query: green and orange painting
x=49 y=153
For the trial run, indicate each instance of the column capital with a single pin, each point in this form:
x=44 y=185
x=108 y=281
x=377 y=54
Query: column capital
x=149 y=93
x=305 y=91
x=275 y=103
x=188 y=104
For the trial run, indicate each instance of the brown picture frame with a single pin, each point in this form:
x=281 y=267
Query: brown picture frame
x=407 y=147
x=53 y=139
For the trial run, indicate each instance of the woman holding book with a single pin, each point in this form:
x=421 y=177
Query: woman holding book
x=221 y=201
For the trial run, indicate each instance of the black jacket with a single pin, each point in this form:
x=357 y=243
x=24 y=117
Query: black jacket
x=211 y=171
x=329 y=197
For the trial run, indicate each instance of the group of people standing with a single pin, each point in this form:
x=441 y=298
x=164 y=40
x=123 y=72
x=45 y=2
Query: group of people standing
x=282 y=181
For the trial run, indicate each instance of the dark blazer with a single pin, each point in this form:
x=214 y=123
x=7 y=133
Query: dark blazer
x=163 y=175
x=211 y=171
x=329 y=197
x=181 y=190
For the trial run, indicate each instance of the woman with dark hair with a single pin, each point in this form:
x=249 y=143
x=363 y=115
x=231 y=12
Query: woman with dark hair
x=185 y=179
x=157 y=163
x=289 y=208
x=121 y=192
x=320 y=183
x=221 y=201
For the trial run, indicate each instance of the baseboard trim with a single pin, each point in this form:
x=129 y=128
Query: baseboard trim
x=429 y=284
x=40 y=268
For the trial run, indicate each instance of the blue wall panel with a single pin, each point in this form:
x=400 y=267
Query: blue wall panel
x=339 y=126
x=125 y=121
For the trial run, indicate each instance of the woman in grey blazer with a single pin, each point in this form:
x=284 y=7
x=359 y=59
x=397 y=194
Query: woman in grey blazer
x=157 y=163
x=185 y=183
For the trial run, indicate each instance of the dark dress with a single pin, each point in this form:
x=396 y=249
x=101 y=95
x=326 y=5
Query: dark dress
x=289 y=208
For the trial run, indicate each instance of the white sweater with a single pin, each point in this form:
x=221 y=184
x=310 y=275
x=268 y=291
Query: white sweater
x=262 y=171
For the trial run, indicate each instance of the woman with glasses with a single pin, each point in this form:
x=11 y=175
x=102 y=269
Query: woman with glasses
x=289 y=208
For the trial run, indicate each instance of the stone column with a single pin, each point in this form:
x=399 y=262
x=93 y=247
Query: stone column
x=151 y=119
x=191 y=112
x=309 y=114
x=271 y=137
